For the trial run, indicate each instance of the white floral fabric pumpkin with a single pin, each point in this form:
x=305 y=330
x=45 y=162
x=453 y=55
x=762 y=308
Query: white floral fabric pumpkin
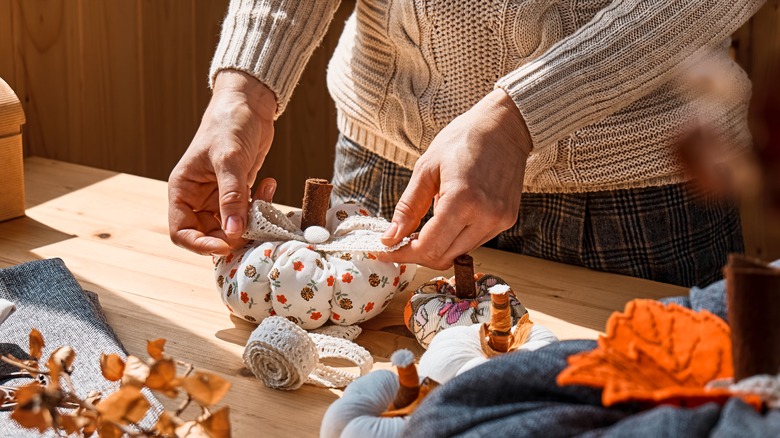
x=333 y=275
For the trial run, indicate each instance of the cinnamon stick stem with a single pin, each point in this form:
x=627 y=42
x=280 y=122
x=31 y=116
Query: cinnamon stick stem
x=464 y=277
x=316 y=199
x=753 y=294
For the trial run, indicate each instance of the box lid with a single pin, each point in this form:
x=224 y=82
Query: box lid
x=11 y=112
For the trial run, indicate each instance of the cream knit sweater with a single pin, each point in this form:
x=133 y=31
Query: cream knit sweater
x=594 y=79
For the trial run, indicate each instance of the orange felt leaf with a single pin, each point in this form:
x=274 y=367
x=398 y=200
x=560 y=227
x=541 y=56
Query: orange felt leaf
x=659 y=354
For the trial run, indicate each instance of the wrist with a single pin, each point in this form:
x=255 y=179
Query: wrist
x=257 y=94
x=509 y=118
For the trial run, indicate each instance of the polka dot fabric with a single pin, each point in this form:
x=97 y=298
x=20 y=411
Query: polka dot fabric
x=309 y=287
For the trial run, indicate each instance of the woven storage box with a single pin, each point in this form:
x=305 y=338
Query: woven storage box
x=11 y=164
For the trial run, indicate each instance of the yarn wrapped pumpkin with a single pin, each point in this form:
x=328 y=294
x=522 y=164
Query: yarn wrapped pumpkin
x=460 y=301
x=311 y=266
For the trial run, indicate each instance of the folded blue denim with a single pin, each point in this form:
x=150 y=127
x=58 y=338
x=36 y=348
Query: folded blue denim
x=48 y=298
x=516 y=395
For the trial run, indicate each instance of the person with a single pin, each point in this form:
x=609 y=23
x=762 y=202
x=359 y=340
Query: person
x=467 y=107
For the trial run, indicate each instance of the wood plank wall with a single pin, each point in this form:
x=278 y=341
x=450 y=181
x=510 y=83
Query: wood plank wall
x=757 y=48
x=122 y=84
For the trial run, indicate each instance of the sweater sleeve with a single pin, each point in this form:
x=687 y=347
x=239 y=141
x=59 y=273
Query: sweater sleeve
x=627 y=50
x=272 y=40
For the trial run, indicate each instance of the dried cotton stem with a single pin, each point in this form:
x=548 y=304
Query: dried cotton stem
x=409 y=381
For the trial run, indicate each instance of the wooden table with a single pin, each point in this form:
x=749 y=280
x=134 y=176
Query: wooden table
x=111 y=231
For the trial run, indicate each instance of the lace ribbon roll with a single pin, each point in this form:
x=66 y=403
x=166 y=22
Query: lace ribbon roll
x=284 y=356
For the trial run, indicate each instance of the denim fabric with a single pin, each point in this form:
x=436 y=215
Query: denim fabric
x=48 y=298
x=516 y=395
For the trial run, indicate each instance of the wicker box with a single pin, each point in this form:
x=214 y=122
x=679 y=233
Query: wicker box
x=11 y=163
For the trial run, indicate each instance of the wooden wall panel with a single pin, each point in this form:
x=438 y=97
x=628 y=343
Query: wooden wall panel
x=758 y=51
x=7 y=55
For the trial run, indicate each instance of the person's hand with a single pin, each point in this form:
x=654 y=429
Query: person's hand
x=208 y=190
x=473 y=171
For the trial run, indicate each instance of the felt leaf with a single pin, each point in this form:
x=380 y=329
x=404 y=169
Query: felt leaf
x=155 y=348
x=206 y=388
x=112 y=366
x=217 y=424
x=36 y=344
x=126 y=405
x=656 y=353
x=162 y=377
x=136 y=372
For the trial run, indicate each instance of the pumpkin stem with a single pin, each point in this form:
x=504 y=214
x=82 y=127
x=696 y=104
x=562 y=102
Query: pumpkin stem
x=465 y=287
x=316 y=199
x=753 y=293
x=500 y=326
x=409 y=381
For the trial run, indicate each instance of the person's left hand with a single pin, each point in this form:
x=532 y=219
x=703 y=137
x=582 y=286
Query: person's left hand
x=473 y=172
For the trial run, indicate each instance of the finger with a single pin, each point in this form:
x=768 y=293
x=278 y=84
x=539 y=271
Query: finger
x=233 y=196
x=186 y=231
x=265 y=190
x=415 y=252
x=412 y=207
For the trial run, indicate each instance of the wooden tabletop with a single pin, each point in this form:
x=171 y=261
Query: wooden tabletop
x=111 y=230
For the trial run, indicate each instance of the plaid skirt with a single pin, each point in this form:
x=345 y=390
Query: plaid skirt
x=672 y=234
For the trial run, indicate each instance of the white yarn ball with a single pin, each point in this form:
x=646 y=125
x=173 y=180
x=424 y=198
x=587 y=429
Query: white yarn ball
x=356 y=413
x=316 y=234
x=458 y=349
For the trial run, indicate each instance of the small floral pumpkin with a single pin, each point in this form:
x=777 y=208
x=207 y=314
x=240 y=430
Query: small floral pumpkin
x=314 y=275
x=462 y=300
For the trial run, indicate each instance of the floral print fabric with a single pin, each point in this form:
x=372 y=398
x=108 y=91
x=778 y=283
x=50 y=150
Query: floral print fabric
x=309 y=287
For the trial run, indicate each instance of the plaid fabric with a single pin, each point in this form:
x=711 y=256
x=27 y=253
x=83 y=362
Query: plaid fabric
x=673 y=234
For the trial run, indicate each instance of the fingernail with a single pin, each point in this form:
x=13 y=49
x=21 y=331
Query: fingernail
x=268 y=191
x=233 y=225
x=391 y=231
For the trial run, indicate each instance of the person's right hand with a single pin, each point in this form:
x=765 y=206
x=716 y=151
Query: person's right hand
x=208 y=190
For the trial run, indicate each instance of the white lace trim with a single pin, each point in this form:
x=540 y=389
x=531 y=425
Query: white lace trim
x=765 y=386
x=354 y=234
x=284 y=356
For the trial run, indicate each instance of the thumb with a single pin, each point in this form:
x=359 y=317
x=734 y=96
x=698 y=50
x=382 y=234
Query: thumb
x=233 y=197
x=411 y=208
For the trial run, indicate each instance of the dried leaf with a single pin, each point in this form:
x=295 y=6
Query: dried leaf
x=136 y=372
x=31 y=411
x=36 y=344
x=166 y=424
x=72 y=423
x=59 y=362
x=106 y=429
x=206 y=388
x=126 y=405
x=112 y=366
x=191 y=429
x=155 y=348
x=656 y=353
x=162 y=377
x=218 y=423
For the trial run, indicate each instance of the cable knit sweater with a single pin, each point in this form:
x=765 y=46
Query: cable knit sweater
x=595 y=80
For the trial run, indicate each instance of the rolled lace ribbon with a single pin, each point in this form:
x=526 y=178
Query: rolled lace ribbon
x=285 y=356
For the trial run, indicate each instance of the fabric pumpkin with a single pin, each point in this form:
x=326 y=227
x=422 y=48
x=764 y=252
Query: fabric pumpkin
x=337 y=279
x=435 y=306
